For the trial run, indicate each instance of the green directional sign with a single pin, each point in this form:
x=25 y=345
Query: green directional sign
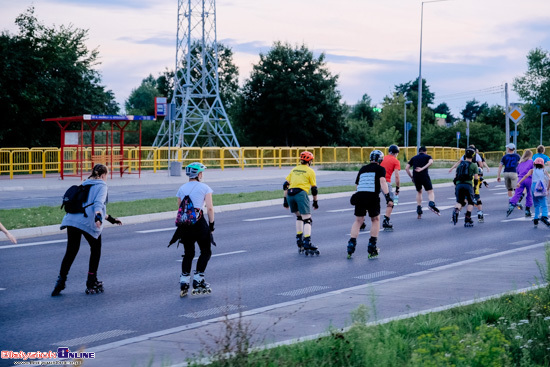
x=376 y=109
x=440 y=115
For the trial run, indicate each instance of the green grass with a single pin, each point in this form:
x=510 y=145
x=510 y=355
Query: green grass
x=48 y=215
x=513 y=330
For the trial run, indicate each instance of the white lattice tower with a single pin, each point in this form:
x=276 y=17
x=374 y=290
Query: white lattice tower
x=200 y=118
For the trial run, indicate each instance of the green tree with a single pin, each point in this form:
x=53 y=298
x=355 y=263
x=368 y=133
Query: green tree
x=142 y=99
x=443 y=108
x=534 y=88
x=410 y=91
x=363 y=110
x=290 y=99
x=472 y=110
x=46 y=72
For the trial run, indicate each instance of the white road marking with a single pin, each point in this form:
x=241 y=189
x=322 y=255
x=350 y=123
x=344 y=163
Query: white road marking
x=481 y=251
x=424 y=209
x=32 y=244
x=501 y=193
x=157 y=230
x=223 y=254
x=267 y=218
x=524 y=242
x=521 y=219
x=3 y=289
x=433 y=262
x=93 y=338
x=351 y=209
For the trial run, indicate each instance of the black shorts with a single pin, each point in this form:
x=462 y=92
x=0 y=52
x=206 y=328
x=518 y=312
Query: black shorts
x=367 y=203
x=422 y=181
x=464 y=194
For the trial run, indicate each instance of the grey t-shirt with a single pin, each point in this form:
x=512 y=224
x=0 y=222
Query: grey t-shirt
x=196 y=191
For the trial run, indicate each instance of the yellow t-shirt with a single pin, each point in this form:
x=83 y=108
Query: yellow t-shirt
x=302 y=177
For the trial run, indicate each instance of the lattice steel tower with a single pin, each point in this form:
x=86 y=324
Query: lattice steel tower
x=200 y=118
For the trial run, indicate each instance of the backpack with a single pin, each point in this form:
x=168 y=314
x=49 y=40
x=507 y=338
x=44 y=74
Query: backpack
x=540 y=189
x=187 y=215
x=74 y=199
x=463 y=172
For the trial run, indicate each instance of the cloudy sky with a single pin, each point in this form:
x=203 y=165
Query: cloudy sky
x=470 y=47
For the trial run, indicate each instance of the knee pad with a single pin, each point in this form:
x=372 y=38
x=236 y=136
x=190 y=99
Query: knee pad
x=299 y=217
x=308 y=221
x=479 y=202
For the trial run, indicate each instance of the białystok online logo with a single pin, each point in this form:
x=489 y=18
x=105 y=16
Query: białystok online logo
x=62 y=353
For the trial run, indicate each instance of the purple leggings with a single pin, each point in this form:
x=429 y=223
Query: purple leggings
x=526 y=184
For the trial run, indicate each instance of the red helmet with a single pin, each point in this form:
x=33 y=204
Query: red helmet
x=306 y=156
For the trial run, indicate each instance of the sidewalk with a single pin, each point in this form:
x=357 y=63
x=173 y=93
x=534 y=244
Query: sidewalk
x=307 y=318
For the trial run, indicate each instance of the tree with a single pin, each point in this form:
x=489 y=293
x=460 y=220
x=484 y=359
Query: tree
x=410 y=91
x=444 y=109
x=363 y=110
x=472 y=110
x=290 y=99
x=534 y=88
x=46 y=72
x=142 y=99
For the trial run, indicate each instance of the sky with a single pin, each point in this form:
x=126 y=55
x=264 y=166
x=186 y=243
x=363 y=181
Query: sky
x=470 y=48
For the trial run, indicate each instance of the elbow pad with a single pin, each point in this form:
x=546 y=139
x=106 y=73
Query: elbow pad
x=314 y=190
x=286 y=185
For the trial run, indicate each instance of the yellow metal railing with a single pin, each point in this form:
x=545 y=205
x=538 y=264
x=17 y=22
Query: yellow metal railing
x=16 y=161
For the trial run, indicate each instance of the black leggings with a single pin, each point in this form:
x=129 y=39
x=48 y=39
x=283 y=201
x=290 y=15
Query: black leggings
x=200 y=233
x=74 y=235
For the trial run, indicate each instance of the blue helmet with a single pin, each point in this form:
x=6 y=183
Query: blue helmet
x=192 y=170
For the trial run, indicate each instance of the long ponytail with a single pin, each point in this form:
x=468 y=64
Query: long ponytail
x=98 y=170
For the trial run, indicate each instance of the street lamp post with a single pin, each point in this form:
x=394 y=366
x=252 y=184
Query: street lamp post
x=405 y=131
x=419 y=116
x=541 y=115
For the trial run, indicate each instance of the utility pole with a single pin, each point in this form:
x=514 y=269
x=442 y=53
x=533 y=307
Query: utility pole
x=507 y=123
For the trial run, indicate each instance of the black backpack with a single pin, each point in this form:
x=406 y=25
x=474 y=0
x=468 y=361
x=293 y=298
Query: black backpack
x=463 y=172
x=75 y=198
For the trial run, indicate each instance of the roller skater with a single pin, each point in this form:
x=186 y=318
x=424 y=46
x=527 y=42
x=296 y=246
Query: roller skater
x=539 y=189
x=199 y=285
x=93 y=286
x=477 y=197
x=87 y=223
x=509 y=162
x=392 y=166
x=194 y=195
x=421 y=179
x=464 y=192
x=184 y=284
x=298 y=182
x=524 y=166
x=370 y=180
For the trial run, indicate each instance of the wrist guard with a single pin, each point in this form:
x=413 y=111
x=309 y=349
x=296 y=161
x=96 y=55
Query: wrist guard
x=315 y=204
x=397 y=190
x=111 y=219
x=388 y=198
x=285 y=202
x=98 y=218
x=286 y=185
x=314 y=190
x=211 y=226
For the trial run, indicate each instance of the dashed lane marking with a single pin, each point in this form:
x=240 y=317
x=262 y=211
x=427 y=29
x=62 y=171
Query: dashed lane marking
x=301 y=291
x=266 y=218
x=3 y=289
x=32 y=244
x=433 y=262
x=213 y=311
x=224 y=254
x=378 y=274
x=157 y=230
x=521 y=219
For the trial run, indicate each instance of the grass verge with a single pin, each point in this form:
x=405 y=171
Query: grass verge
x=513 y=330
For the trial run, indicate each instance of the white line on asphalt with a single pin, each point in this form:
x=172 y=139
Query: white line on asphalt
x=424 y=209
x=266 y=218
x=31 y=244
x=340 y=210
x=157 y=230
x=2 y=289
x=224 y=254
x=521 y=243
x=196 y=325
x=521 y=219
x=501 y=193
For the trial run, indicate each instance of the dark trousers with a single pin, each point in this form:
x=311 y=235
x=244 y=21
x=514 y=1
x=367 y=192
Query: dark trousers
x=199 y=233
x=74 y=235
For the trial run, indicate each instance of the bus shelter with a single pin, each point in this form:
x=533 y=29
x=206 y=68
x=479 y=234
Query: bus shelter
x=112 y=140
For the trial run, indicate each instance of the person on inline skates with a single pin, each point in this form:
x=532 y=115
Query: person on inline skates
x=421 y=178
x=525 y=165
x=464 y=191
x=370 y=180
x=198 y=230
x=90 y=225
x=509 y=162
x=392 y=165
x=477 y=197
x=539 y=189
x=298 y=182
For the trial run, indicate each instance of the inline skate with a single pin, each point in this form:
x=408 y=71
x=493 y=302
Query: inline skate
x=199 y=285
x=300 y=243
x=419 y=211
x=387 y=225
x=59 y=286
x=351 y=247
x=184 y=284
x=454 y=218
x=309 y=248
x=433 y=208
x=468 y=222
x=373 y=250
x=93 y=285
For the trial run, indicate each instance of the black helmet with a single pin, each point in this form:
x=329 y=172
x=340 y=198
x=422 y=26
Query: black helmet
x=393 y=149
x=470 y=153
x=376 y=156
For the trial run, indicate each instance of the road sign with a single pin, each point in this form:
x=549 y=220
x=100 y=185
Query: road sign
x=160 y=106
x=409 y=126
x=458 y=134
x=516 y=114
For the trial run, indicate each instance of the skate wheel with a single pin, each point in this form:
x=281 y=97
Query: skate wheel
x=349 y=256
x=209 y=291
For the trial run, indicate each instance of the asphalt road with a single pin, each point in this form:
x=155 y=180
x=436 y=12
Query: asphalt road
x=255 y=264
